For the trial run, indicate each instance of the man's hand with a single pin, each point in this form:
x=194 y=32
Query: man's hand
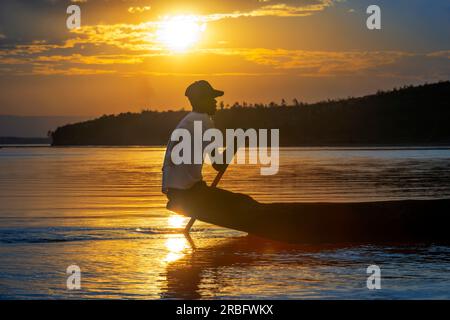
x=221 y=167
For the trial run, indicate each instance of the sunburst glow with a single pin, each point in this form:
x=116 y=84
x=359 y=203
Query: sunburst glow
x=175 y=246
x=176 y=221
x=178 y=33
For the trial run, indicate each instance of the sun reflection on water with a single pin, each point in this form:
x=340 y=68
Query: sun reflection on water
x=176 y=221
x=176 y=247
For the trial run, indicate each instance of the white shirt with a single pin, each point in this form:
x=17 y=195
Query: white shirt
x=184 y=176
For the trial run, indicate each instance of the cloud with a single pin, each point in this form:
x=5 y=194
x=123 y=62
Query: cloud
x=273 y=8
x=53 y=70
x=138 y=9
x=132 y=37
x=93 y=59
x=130 y=59
x=133 y=49
x=317 y=63
x=284 y=10
x=440 y=54
x=107 y=23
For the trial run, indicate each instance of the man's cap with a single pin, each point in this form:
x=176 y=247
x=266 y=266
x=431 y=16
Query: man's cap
x=202 y=88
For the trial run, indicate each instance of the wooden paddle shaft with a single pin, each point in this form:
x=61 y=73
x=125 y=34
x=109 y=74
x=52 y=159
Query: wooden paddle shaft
x=214 y=184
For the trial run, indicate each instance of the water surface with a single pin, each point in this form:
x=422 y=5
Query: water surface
x=102 y=209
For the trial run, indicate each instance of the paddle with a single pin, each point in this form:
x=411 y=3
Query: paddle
x=214 y=184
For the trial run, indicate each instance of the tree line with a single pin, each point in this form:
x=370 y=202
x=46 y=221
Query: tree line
x=407 y=115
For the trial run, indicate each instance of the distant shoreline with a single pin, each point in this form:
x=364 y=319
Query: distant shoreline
x=408 y=116
x=9 y=140
x=25 y=146
x=340 y=147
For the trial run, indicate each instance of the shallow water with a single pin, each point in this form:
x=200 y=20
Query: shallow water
x=102 y=209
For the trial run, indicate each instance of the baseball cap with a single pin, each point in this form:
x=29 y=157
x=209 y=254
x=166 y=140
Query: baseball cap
x=202 y=88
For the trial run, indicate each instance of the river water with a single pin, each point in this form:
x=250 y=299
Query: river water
x=102 y=210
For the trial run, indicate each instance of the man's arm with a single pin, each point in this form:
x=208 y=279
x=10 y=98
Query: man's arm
x=217 y=166
x=221 y=167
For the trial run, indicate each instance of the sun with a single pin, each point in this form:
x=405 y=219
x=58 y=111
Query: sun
x=178 y=33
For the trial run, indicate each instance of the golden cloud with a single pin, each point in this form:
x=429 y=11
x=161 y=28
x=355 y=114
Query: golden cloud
x=138 y=9
x=40 y=69
x=318 y=63
x=93 y=59
x=440 y=54
x=124 y=46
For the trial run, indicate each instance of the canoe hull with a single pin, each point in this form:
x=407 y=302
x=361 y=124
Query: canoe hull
x=363 y=222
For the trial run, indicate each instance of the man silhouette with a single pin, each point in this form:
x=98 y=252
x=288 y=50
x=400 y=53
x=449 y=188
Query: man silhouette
x=183 y=183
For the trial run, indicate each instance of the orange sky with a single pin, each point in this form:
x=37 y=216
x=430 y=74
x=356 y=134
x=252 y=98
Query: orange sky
x=131 y=55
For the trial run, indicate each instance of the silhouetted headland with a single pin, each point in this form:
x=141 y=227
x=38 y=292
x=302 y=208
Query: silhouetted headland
x=405 y=116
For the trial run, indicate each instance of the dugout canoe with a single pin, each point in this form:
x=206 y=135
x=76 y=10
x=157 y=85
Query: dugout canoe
x=311 y=223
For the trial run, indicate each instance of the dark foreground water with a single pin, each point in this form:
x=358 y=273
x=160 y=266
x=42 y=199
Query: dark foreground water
x=101 y=209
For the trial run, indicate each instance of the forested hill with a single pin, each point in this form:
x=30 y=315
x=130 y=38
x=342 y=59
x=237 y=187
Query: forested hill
x=410 y=115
